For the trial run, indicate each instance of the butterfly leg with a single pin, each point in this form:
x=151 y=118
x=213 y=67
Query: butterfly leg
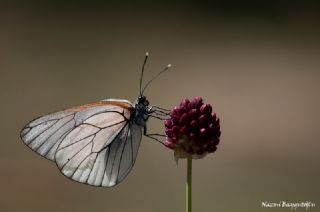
x=158 y=117
x=152 y=135
x=160 y=108
x=158 y=113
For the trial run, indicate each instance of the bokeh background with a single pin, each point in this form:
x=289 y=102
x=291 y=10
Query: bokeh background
x=257 y=62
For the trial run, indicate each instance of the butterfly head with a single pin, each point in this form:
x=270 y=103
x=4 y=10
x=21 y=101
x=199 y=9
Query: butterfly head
x=142 y=100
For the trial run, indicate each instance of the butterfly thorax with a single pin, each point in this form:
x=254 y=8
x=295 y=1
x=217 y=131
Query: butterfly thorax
x=141 y=111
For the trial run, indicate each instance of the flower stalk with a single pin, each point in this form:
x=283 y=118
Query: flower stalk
x=189 y=185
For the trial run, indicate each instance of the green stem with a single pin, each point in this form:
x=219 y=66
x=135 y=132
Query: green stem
x=189 y=185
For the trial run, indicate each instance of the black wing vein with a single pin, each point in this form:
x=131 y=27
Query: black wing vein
x=54 y=133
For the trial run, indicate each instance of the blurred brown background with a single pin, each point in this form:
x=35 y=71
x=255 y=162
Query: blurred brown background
x=257 y=62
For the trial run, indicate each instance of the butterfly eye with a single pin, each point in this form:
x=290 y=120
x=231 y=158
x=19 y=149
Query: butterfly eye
x=142 y=99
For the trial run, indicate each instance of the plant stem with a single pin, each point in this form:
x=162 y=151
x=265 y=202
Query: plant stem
x=189 y=185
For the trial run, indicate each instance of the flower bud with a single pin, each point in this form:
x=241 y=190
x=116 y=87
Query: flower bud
x=193 y=124
x=184 y=130
x=175 y=130
x=192 y=113
x=185 y=103
x=168 y=123
x=184 y=119
x=202 y=119
x=203 y=132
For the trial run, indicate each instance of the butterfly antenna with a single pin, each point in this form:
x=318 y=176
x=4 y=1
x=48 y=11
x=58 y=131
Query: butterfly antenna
x=142 y=71
x=164 y=70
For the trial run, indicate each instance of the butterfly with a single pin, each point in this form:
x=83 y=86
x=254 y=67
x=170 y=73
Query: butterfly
x=95 y=143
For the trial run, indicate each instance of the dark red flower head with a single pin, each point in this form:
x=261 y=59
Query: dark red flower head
x=192 y=130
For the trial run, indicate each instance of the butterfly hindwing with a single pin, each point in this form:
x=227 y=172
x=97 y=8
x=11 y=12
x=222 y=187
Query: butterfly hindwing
x=129 y=152
x=99 y=156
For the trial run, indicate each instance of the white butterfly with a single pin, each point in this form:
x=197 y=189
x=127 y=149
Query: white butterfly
x=95 y=143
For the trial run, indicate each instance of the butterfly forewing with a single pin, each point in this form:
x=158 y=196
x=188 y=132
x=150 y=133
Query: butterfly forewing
x=43 y=134
x=95 y=143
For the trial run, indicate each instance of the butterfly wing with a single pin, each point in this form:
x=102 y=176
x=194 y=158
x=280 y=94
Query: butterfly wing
x=99 y=156
x=94 y=143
